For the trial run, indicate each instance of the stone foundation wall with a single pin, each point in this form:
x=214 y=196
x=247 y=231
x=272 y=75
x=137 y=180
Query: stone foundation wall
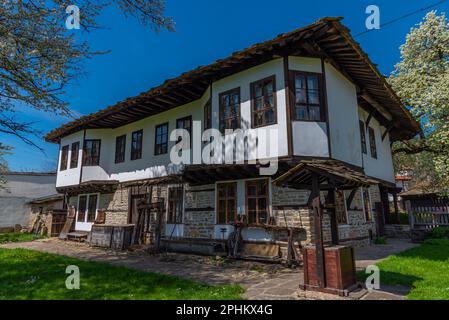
x=289 y=208
x=400 y=231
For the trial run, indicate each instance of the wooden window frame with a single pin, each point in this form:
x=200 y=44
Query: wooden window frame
x=156 y=135
x=64 y=158
x=321 y=94
x=372 y=142
x=363 y=137
x=264 y=109
x=173 y=219
x=85 y=155
x=86 y=210
x=136 y=151
x=74 y=155
x=120 y=157
x=191 y=128
x=220 y=113
x=226 y=199
x=257 y=223
x=207 y=115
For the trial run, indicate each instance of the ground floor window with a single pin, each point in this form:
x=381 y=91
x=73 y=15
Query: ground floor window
x=87 y=207
x=175 y=206
x=226 y=202
x=257 y=201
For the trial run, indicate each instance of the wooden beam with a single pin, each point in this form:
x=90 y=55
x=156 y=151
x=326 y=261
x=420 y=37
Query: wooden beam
x=367 y=97
x=319 y=243
x=389 y=128
x=350 y=199
x=334 y=220
x=289 y=101
x=371 y=114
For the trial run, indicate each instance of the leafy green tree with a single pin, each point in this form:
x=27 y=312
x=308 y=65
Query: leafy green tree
x=421 y=79
x=39 y=56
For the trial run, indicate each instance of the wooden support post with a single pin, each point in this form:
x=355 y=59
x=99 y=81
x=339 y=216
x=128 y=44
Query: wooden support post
x=408 y=209
x=319 y=245
x=334 y=221
x=396 y=208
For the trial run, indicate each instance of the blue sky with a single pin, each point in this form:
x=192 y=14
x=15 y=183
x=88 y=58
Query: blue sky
x=206 y=30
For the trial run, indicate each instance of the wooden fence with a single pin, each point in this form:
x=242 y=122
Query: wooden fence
x=428 y=213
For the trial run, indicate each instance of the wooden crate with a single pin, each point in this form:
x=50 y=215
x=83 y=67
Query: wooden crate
x=117 y=237
x=339 y=268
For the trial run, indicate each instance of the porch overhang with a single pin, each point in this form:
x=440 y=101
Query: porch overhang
x=102 y=186
x=331 y=174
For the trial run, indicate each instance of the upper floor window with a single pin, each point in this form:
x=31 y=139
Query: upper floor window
x=91 y=152
x=372 y=142
x=308 y=97
x=136 y=145
x=161 y=139
x=64 y=158
x=120 y=147
x=226 y=202
x=230 y=110
x=74 y=153
x=363 y=136
x=174 y=214
x=208 y=115
x=186 y=124
x=257 y=201
x=263 y=98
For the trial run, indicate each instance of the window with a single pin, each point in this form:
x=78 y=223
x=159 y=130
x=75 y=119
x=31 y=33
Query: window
x=372 y=142
x=263 y=99
x=161 y=139
x=257 y=201
x=308 y=97
x=363 y=136
x=64 y=158
x=208 y=115
x=341 y=210
x=74 y=155
x=136 y=145
x=174 y=215
x=82 y=205
x=92 y=208
x=185 y=123
x=87 y=208
x=367 y=204
x=226 y=202
x=91 y=152
x=230 y=110
x=120 y=147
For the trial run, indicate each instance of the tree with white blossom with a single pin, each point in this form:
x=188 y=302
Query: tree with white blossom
x=421 y=79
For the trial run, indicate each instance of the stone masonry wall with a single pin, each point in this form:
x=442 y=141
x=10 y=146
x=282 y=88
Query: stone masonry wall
x=199 y=212
x=115 y=206
x=356 y=232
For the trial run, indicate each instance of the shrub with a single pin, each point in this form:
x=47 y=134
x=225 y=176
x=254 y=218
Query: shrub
x=439 y=233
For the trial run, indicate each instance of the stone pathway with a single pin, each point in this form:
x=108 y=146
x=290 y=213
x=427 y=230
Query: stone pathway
x=261 y=281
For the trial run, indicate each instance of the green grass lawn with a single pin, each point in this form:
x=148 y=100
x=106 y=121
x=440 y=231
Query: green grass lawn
x=425 y=269
x=27 y=274
x=17 y=237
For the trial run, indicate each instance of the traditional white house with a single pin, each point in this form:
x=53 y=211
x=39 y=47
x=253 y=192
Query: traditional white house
x=327 y=110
